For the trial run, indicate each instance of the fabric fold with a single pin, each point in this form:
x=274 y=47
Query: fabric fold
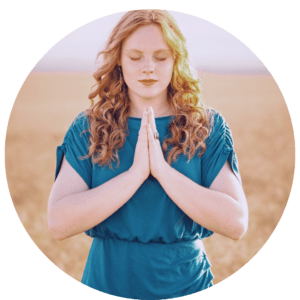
x=220 y=148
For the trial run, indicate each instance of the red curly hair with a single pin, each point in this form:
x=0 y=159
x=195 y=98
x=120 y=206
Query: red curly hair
x=108 y=116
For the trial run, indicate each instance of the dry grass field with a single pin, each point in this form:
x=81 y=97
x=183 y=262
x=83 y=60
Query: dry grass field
x=254 y=109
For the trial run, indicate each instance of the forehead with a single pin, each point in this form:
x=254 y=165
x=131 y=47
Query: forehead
x=148 y=37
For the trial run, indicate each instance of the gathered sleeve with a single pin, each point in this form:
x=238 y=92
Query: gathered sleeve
x=75 y=147
x=219 y=149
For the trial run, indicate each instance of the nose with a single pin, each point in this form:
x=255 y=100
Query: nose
x=148 y=66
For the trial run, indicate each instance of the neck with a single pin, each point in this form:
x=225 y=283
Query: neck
x=158 y=112
x=160 y=106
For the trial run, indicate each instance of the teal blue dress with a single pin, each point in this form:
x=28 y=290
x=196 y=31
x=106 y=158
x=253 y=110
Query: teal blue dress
x=149 y=248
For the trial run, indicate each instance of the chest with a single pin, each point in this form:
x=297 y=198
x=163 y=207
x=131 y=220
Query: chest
x=100 y=175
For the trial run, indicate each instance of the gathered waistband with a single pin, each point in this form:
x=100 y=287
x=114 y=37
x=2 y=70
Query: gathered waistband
x=149 y=270
x=197 y=243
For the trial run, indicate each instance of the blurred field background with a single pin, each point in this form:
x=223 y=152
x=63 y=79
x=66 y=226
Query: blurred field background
x=254 y=109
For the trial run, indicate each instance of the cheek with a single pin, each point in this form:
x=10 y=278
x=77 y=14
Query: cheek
x=130 y=76
x=169 y=71
x=127 y=73
x=129 y=70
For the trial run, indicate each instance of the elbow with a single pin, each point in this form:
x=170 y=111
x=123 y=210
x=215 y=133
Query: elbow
x=240 y=229
x=240 y=225
x=55 y=233
x=55 y=229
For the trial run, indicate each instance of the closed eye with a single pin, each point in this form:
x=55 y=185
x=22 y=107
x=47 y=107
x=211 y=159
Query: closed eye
x=156 y=58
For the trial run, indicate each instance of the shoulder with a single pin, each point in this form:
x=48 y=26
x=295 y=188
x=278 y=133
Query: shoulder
x=220 y=135
x=81 y=121
x=79 y=126
x=217 y=122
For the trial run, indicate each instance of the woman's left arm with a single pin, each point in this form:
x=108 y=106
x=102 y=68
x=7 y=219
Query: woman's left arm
x=222 y=208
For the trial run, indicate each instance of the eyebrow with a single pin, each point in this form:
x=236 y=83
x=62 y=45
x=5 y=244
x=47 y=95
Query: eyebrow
x=157 y=51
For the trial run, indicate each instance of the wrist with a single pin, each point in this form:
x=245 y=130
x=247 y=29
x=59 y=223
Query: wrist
x=136 y=175
x=163 y=171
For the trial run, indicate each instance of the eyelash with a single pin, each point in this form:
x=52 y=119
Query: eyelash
x=159 y=59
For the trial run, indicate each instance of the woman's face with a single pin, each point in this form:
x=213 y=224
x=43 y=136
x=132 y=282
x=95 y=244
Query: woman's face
x=147 y=63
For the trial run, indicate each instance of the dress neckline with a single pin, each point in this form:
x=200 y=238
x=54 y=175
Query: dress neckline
x=156 y=119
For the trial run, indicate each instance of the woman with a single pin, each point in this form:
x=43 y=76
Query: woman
x=147 y=172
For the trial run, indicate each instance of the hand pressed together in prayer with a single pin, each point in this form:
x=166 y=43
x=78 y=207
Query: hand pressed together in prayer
x=148 y=156
x=156 y=157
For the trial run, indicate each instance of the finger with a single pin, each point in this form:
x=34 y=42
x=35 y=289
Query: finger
x=145 y=117
x=148 y=119
x=144 y=120
x=150 y=137
x=152 y=119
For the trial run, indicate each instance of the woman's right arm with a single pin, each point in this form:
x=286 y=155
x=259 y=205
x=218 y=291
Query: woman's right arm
x=74 y=208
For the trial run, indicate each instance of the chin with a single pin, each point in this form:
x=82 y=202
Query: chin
x=149 y=94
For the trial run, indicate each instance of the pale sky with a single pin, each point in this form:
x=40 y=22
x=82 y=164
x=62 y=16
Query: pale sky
x=211 y=49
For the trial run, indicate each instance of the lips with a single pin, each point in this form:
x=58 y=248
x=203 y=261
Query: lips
x=148 y=82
